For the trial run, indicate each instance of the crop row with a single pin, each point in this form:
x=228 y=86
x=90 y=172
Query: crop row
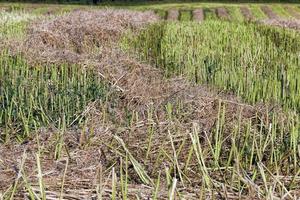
x=12 y=24
x=256 y=62
x=32 y=97
x=234 y=13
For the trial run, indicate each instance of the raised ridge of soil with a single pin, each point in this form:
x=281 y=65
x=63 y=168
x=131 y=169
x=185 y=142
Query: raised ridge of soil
x=198 y=15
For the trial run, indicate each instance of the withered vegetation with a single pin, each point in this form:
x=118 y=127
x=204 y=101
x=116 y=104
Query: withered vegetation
x=143 y=133
x=283 y=23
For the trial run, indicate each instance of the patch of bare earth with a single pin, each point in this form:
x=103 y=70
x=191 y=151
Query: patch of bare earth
x=93 y=156
x=222 y=13
x=269 y=12
x=246 y=12
x=198 y=15
x=173 y=15
x=293 y=12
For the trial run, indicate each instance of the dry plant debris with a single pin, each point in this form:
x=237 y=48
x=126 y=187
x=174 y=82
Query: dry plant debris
x=222 y=13
x=198 y=15
x=74 y=36
x=173 y=15
x=269 y=12
x=283 y=23
x=91 y=156
x=246 y=12
x=293 y=11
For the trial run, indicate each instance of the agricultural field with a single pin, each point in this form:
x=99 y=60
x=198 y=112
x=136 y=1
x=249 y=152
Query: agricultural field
x=153 y=100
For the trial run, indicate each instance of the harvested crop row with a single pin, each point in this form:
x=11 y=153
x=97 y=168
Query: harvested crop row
x=283 y=23
x=246 y=12
x=293 y=12
x=172 y=53
x=157 y=129
x=173 y=15
x=198 y=15
x=222 y=13
x=86 y=164
x=158 y=105
x=147 y=94
x=74 y=36
x=269 y=12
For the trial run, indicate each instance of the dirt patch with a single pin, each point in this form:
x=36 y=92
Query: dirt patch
x=283 y=23
x=269 y=12
x=293 y=12
x=198 y=15
x=246 y=12
x=173 y=15
x=222 y=13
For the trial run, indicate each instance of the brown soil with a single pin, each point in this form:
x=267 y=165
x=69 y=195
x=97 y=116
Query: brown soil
x=246 y=12
x=269 y=12
x=173 y=15
x=222 y=13
x=198 y=15
x=293 y=12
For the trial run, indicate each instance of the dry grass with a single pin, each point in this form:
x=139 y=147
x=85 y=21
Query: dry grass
x=198 y=15
x=74 y=36
x=222 y=13
x=283 y=23
x=92 y=155
x=247 y=13
x=269 y=12
x=173 y=15
x=293 y=12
